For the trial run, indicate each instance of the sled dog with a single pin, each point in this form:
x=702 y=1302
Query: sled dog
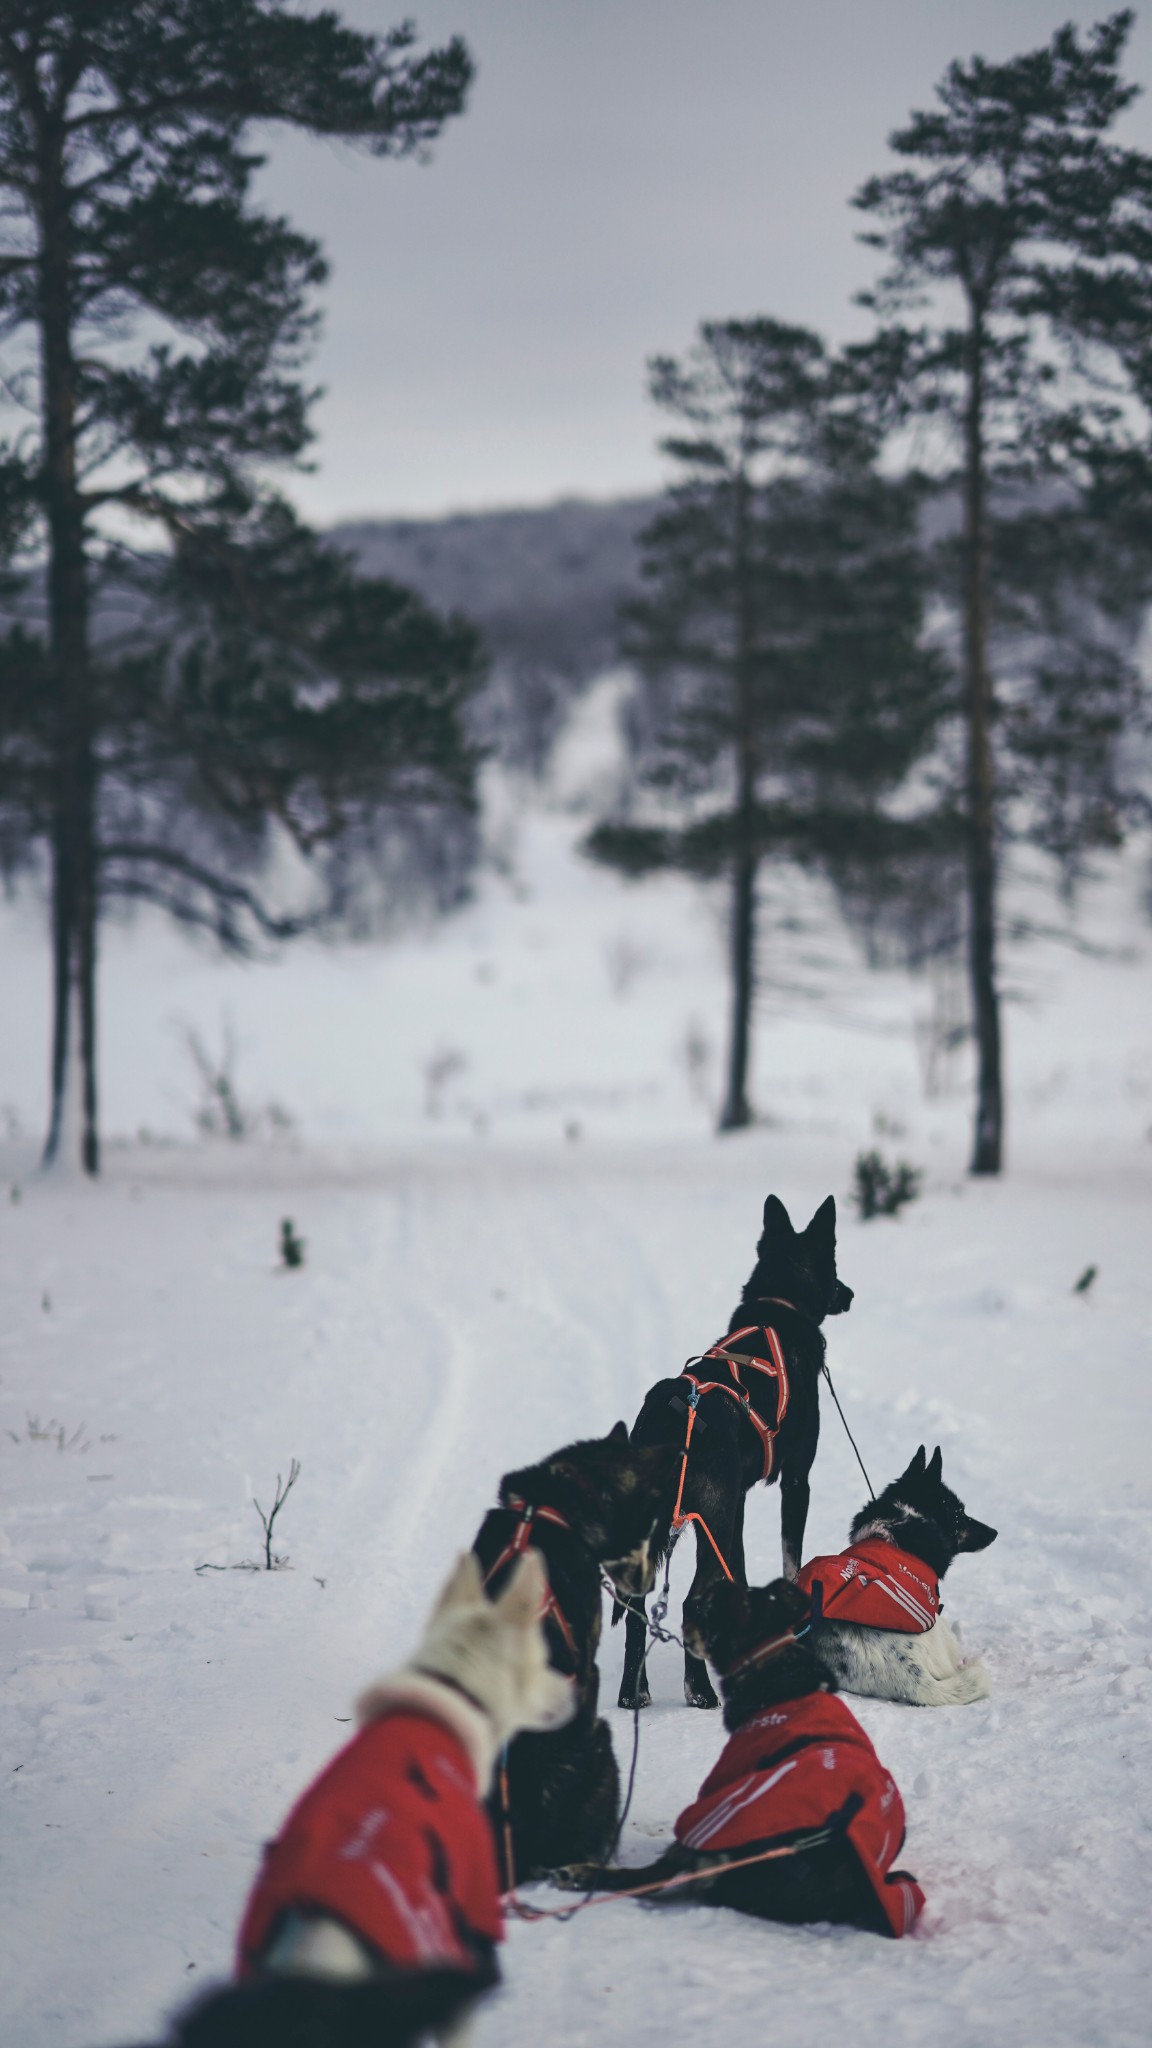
x=594 y=1507
x=376 y=1914
x=753 y=1403
x=798 y=1820
x=881 y=1629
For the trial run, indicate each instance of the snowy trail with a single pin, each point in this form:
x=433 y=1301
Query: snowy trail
x=462 y=1311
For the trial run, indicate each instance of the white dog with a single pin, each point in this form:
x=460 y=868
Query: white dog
x=377 y=1910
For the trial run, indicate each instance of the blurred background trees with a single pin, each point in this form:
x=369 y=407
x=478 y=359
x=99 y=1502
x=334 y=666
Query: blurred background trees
x=157 y=323
x=884 y=624
x=783 y=686
x=1014 y=316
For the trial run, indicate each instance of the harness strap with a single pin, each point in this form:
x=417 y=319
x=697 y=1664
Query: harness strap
x=682 y=1877
x=764 y=1650
x=678 y=1519
x=773 y=1367
x=550 y=1609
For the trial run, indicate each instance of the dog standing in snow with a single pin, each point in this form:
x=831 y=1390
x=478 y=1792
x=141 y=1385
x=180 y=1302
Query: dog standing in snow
x=798 y=1820
x=748 y=1409
x=377 y=1910
x=592 y=1508
x=880 y=1629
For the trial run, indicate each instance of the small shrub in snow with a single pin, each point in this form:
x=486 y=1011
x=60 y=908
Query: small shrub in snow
x=291 y=1246
x=221 y=1111
x=283 y=1489
x=882 y=1190
x=53 y=1432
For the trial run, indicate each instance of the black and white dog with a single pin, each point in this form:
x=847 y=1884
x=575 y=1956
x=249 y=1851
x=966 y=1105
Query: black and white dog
x=594 y=1507
x=756 y=1415
x=798 y=1820
x=881 y=1630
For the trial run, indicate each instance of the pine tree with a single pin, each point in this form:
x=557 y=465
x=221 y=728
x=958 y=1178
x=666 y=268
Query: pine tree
x=782 y=688
x=1013 y=204
x=157 y=323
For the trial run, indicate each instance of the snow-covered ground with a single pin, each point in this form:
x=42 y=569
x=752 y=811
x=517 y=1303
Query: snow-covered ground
x=487 y=1280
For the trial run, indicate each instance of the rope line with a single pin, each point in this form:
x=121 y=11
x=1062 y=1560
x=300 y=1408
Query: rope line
x=848 y=1432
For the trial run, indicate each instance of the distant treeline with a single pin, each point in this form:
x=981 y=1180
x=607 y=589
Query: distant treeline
x=544 y=585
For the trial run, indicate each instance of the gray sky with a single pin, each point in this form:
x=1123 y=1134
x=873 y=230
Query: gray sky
x=625 y=169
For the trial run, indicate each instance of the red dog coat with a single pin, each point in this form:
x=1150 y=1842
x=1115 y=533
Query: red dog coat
x=390 y=1839
x=875 y=1585
x=790 y=1769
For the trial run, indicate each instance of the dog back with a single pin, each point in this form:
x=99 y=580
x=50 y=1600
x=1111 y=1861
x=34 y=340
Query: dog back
x=390 y=1840
x=795 y=1769
x=874 y=1584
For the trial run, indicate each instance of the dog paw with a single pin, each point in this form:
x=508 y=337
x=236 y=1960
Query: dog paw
x=641 y=1698
x=700 y=1696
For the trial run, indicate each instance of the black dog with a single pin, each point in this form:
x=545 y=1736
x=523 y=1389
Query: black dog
x=798 y=1798
x=882 y=1631
x=761 y=1422
x=593 y=1507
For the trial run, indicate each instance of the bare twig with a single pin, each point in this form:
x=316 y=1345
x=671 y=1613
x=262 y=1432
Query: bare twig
x=283 y=1489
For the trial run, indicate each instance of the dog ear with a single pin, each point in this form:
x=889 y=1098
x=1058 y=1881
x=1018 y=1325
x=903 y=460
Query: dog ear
x=526 y=1591
x=464 y=1586
x=936 y=1466
x=915 y=1466
x=777 y=1222
x=618 y=1434
x=823 y=1223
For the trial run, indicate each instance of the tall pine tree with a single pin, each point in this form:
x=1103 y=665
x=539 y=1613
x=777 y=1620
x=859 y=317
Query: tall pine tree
x=782 y=687
x=156 y=323
x=1014 y=314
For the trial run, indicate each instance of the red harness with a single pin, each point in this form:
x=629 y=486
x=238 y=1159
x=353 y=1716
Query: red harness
x=791 y=1769
x=874 y=1585
x=392 y=1840
x=551 y=1609
x=776 y=1369
x=773 y=1366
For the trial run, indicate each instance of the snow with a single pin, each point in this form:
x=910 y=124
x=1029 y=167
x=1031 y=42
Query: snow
x=488 y=1281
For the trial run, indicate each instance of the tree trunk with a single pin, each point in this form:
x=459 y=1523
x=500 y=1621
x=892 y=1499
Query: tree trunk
x=981 y=791
x=74 y=861
x=737 y=1111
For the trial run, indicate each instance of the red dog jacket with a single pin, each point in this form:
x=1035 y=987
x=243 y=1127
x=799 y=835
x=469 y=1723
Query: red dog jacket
x=390 y=1839
x=790 y=1769
x=875 y=1585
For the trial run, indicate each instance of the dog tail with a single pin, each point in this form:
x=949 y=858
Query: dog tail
x=962 y=1688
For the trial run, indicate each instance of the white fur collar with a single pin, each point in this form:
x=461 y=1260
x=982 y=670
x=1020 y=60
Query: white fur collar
x=422 y=1693
x=884 y=1532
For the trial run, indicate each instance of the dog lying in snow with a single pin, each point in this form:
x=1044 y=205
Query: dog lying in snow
x=762 y=1421
x=798 y=1785
x=593 y=1507
x=876 y=1618
x=376 y=1914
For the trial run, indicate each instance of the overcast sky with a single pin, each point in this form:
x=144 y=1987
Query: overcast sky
x=625 y=168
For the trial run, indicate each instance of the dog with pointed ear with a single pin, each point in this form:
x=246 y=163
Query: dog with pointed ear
x=377 y=1910
x=593 y=1510
x=880 y=1624
x=745 y=1409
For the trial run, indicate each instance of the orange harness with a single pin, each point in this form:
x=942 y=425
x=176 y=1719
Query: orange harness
x=551 y=1609
x=776 y=1370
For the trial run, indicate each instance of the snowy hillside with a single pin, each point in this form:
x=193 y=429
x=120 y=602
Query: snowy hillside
x=516 y=1218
